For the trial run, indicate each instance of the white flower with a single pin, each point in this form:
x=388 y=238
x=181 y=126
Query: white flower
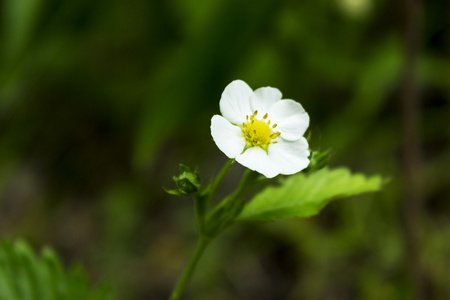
x=260 y=130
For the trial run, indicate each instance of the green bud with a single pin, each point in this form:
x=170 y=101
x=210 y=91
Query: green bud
x=188 y=182
x=319 y=160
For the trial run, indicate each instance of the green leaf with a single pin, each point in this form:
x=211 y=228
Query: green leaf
x=305 y=195
x=27 y=276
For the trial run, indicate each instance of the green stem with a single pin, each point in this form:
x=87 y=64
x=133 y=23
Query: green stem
x=187 y=274
x=225 y=212
x=218 y=180
x=203 y=202
x=248 y=178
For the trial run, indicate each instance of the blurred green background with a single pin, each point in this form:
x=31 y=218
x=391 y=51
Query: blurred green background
x=100 y=101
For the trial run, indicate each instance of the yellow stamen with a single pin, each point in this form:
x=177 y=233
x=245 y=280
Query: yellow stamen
x=258 y=133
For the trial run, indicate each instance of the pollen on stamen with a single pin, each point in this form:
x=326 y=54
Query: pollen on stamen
x=258 y=132
x=275 y=135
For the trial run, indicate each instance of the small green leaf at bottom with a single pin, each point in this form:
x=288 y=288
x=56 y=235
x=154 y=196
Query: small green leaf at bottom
x=27 y=275
x=303 y=195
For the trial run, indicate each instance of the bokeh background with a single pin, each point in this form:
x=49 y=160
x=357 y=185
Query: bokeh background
x=100 y=101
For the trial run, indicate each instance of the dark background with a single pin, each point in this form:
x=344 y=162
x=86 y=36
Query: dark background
x=100 y=101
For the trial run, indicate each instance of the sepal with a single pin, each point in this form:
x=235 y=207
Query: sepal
x=188 y=182
x=318 y=160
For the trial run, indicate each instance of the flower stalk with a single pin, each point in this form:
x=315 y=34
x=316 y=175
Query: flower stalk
x=218 y=181
x=189 y=270
x=218 y=219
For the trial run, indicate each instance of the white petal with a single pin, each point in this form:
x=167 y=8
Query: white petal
x=256 y=159
x=289 y=157
x=263 y=98
x=228 y=137
x=291 y=118
x=235 y=102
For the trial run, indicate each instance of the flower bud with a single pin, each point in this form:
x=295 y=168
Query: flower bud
x=188 y=182
x=319 y=160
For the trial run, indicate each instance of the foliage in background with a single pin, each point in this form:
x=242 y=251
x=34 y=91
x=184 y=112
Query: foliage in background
x=27 y=276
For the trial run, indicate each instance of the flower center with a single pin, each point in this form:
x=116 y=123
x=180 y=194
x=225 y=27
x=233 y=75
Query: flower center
x=259 y=133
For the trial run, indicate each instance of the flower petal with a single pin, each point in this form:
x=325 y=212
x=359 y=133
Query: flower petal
x=256 y=159
x=289 y=157
x=235 y=102
x=228 y=137
x=263 y=98
x=291 y=118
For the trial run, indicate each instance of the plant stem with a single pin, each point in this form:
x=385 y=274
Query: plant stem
x=218 y=180
x=247 y=180
x=186 y=276
x=205 y=237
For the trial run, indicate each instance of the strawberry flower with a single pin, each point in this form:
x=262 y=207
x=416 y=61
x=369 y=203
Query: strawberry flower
x=260 y=130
